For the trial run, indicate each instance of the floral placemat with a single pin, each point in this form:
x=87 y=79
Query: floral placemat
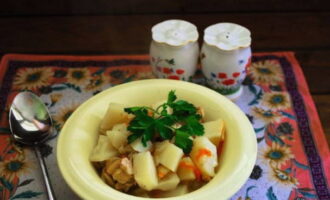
x=293 y=157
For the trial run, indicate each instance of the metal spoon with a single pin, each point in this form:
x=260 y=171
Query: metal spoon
x=31 y=124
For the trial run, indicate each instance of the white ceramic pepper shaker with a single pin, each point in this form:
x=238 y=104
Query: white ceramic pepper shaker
x=225 y=56
x=174 y=50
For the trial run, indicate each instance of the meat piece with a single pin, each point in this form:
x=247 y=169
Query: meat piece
x=118 y=173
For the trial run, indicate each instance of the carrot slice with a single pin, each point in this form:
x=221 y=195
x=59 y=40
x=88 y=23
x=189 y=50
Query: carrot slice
x=198 y=174
x=189 y=166
x=186 y=165
x=161 y=175
x=203 y=152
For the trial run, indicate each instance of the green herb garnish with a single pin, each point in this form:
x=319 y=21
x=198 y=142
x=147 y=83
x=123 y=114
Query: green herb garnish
x=157 y=124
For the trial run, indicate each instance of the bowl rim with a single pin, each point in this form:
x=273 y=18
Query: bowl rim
x=77 y=187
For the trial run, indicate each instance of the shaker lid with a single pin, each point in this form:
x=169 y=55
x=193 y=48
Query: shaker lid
x=174 y=32
x=227 y=36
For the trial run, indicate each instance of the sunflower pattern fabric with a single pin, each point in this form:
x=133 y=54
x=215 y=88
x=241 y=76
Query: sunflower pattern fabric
x=293 y=157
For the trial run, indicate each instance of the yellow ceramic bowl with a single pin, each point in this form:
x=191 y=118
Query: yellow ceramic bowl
x=80 y=133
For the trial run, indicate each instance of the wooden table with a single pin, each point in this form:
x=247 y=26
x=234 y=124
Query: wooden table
x=302 y=28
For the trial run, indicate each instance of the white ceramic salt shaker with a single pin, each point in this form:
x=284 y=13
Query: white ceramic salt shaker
x=225 y=56
x=174 y=50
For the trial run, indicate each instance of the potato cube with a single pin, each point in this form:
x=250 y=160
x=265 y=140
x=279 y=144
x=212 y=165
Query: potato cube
x=114 y=115
x=118 y=139
x=103 y=150
x=170 y=156
x=138 y=146
x=159 y=147
x=162 y=171
x=186 y=169
x=169 y=182
x=144 y=170
x=204 y=155
x=121 y=128
x=214 y=131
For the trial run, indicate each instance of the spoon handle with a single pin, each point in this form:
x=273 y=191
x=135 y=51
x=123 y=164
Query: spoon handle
x=50 y=192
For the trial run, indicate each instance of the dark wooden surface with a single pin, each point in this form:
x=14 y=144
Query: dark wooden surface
x=131 y=33
x=123 y=27
x=108 y=7
x=323 y=106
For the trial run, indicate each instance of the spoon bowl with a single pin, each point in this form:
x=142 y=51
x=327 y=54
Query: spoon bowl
x=29 y=119
x=30 y=124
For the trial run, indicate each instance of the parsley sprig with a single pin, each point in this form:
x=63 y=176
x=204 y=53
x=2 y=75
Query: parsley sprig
x=157 y=124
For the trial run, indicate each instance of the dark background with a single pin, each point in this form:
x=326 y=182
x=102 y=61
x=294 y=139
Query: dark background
x=123 y=27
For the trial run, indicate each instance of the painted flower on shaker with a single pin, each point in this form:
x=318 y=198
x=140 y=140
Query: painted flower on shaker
x=179 y=71
x=78 y=76
x=266 y=72
x=33 y=78
x=268 y=116
x=229 y=82
x=276 y=100
x=222 y=75
x=64 y=113
x=167 y=70
x=13 y=167
x=174 y=77
x=236 y=74
x=276 y=155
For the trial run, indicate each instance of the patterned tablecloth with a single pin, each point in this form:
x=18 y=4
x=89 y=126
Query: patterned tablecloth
x=293 y=157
